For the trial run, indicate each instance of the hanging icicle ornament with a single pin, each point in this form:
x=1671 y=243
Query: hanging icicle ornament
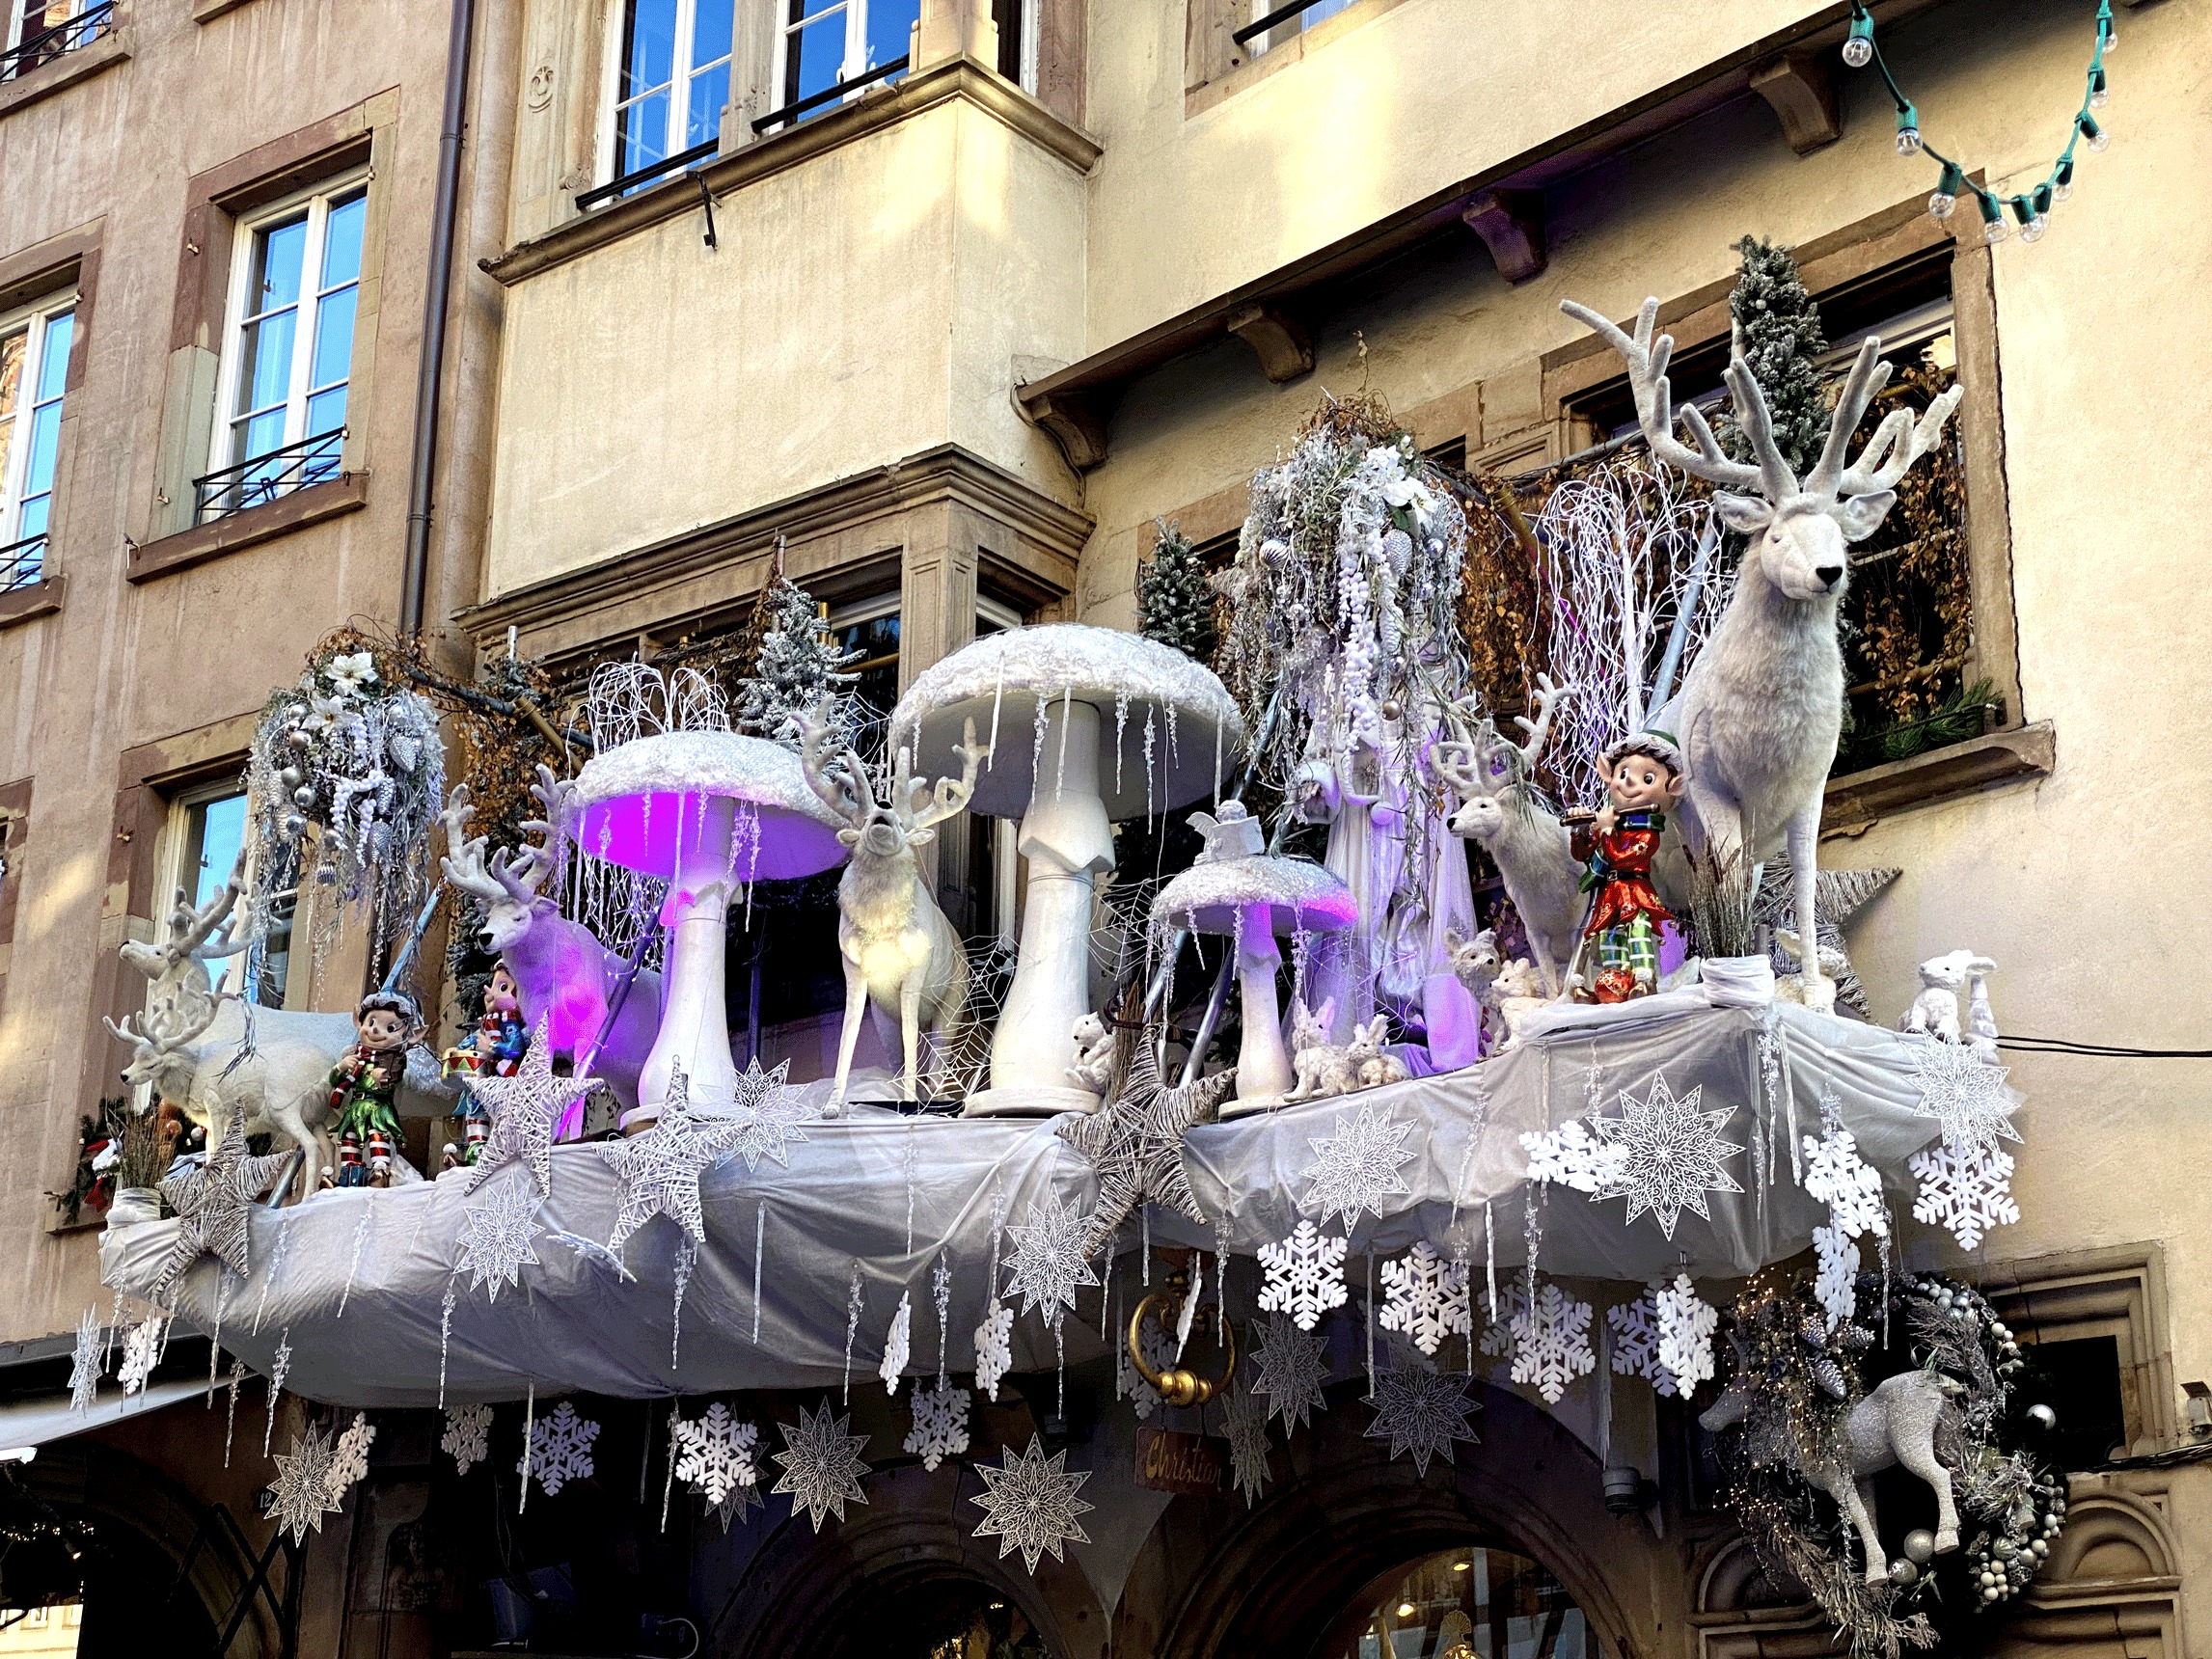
x=851 y=1330
x=86 y=1359
x=897 y=1344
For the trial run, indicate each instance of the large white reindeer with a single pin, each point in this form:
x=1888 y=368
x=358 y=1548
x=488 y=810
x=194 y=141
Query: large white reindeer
x=901 y=954
x=1760 y=713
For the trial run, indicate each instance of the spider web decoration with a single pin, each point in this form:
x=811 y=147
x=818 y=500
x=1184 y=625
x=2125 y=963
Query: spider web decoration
x=1134 y=1142
x=523 y=1109
x=301 y=1491
x=898 y=1343
x=1420 y=1409
x=1963 y=1093
x=1967 y=1190
x=141 y=1352
x=659 y=1172
x=715 y=1455
x=349 y=1458
x=1031 y=1504
x=821 y=1464
x=994 y=1349
x=1551 y=1343
x=84 y=1361
x=1289 y=1368
x=493 y=1243
x=1670 y=1154
x=767 y=1115
x=1048 y=1262
x=468 y=1435
x=212 y=1203
x=1686 y=1325
x=1246 y=1420
x=1357 y=1167
x=559 y=1449
x=939 y=1423
x=1636 y=1340
x=1426 y=1298
x=1304 y=1275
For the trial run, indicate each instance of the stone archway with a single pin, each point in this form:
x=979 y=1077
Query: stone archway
x=1215 y=1577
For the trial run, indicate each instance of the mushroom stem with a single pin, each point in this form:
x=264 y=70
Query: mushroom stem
x=694 y=1023
x=1263 y=1064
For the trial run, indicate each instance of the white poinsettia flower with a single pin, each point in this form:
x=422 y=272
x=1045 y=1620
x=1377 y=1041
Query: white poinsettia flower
x=351 y=673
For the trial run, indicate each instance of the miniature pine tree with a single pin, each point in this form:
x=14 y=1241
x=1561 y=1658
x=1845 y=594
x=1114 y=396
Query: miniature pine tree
x=1174 y=600
x=799 y=664
x=1781 y=340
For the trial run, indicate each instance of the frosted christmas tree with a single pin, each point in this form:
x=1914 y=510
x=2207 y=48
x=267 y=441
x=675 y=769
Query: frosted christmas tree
x=1783 y=340
x=1174 y=600
x=798 y=666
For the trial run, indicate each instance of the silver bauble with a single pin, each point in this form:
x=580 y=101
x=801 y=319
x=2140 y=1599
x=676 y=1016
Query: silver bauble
x=2043 y=1417
x=304 y=795
x=1903 y=1574
x=1920 y=1546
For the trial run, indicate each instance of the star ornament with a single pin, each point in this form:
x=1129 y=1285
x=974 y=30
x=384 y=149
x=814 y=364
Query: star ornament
x=821 y=1464
x=1421 y=1410
x=1135 y=1143
x=1031 y=1504
x=212 y=1203
x=523 y=1109
x=1963 y=1093
x=660 y=1169
x=1048 y=1262
x=1357 y=1167
x=1670 y=1153
x=495 y=1245
x=767 y=1115
x=301 y=1493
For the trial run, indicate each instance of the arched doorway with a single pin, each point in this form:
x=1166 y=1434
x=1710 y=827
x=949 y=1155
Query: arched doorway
x=1472 y=1602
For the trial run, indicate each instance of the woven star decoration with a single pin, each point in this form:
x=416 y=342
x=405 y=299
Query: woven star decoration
x=1963 y=1093
x=768 y=1113
x=821 y=1464
x=212 y=1203
x=523 y=1109
x=660 y=1169
x=1671 y=1155
x=1135 y=1143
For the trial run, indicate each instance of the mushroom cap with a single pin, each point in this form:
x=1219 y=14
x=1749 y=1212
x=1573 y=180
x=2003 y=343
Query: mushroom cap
x=1297 y=892
x=629 y=802
x=1013 y=671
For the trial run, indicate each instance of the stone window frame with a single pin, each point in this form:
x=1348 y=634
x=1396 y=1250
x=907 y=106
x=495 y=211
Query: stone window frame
x=2115 y=1291
x=15 y=836
x=110 y=46
x=1214 y=67
x=46 y=271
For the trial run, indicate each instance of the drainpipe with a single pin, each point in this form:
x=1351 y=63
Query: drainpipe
x=436 y=304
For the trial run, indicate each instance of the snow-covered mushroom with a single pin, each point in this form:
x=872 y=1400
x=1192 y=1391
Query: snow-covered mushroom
x=708 y=811
x=1254 y=899
x=1087 y=725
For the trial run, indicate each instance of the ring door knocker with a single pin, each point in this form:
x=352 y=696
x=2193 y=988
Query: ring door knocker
x=1176 y=1385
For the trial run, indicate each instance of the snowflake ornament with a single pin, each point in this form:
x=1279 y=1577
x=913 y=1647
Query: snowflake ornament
x=1573 y=1157
x=1246 y=1420
x=559 y=1449
x=939 y=1423
x=1304 y=1275
x=525 y=1108
x=141 y=1352
x=994 y=1349
x=1031 y=1504
x=1425 y=1297
x=1636 y=1340
x=1963 y=1093
x=1421 y=1410
x=84 y=1360
x=1134 y=1142
x=1836 y=1285
x=212 y=1203
x=1289 y=1369
x=1837 y=1177
x=898 y=1343
x=1965 y=1189
x=1551 y=1343
x=467 y=1439
x=1358 y=1169
x=715 y=1455
x=767 y=1115
x=1687 y=1325
x=349 y=1458
x=1497 y=1338
x=1158 y=1345
x=494 y=1245
x=821 y=1464
x=301 y=1491
x=660 y=1170
x=1670 y=1154
x=1048 y=1262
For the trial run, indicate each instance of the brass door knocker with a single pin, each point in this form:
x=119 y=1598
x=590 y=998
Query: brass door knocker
x=1176 y=1385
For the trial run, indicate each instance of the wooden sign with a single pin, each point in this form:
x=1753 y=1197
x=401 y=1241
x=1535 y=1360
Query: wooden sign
x=1194 y=1465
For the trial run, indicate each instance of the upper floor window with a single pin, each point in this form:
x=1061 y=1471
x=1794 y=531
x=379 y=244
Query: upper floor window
x=287 y=349
x=1275 y=21
x=40 y=30
x=823 y=45
x=34 y=368
x=671 y=79
x=206 y=828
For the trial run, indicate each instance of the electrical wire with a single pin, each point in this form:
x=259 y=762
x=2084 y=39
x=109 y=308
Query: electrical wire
x=2097 y=1050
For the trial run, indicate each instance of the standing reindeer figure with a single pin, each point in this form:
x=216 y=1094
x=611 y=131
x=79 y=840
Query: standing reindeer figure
x=900 y=952
x=1759 y=714
x=1499 y=808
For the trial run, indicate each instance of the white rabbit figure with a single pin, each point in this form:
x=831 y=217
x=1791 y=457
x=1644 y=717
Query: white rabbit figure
x=1935 y=1011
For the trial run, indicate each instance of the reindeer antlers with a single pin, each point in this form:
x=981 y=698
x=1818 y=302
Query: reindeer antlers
x=950 y=797
x=1647 y=359
x=1547 y=697
x=507 y=876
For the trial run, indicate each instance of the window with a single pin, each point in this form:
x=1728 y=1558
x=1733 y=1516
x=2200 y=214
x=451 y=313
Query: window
x=34 y=368
x=1017 y=22
x=1465 y=1603
x=824 y=45
x=289 y=350
x=871 y=627
x=206 y=828
x=671 y=80
x=40 y=30
x=1275 y=21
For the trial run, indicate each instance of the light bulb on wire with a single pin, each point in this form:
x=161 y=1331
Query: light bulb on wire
x=1859 y=45
x=2100 y=94
x=2099 y=138
x=2064 y=187
x=1909 y=130
x=2031 y=223
x=1994 y=229
x=1945 y=201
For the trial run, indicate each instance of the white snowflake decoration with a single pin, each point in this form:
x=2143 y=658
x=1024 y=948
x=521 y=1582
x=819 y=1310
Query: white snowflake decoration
x=821 y=1464
x=468 y=1437
x=1304 y=1275
x=1551 y=1343
x=494 y=1245
x=1686 y=1326
x=1289 y=1369
x=301 y=1491
x=898 y=1343
x=1357 y=1168
x=349 y=1458
x=1497 y=1338
x=1031 y=1504
x=1963 y=1093
x=1159 y=1347
x=1837 y=1177
x=1966 y=1188
x=85 y=1362
x=1573 y=1157
x=1425 y=1297
x=994 y=1349
x=715 y=1453
x=939 y=1423
x=1636 y=1340
x=1836 y=1285
x=1246 y=1420
x=559 y=1449
x=141 y=1352
x=1421 y=1410
x=1670 y=1154
x=767 y=1115
x=1046 y=1265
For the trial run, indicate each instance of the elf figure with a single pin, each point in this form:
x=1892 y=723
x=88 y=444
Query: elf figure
x=1644 y=776
x=365 y=1084
x=493 y=1049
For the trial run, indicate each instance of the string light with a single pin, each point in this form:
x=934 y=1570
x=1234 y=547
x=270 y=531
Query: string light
x=2032 y=208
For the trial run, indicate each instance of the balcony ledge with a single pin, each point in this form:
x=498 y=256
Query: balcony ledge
x=65 y=71
x=346 y=493
x=1997 y=757
x=35 y=599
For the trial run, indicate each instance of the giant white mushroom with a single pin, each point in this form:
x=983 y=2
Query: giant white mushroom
x=1087 y=727
x=708 y=811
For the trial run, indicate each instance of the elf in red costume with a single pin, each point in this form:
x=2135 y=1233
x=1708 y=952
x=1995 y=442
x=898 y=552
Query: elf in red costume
x=1644 y=776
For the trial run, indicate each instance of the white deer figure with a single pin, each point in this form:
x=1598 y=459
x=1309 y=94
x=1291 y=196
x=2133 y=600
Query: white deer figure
x=901 y=953
x=562 y=973
x=1499 y=808
x=1760 y=713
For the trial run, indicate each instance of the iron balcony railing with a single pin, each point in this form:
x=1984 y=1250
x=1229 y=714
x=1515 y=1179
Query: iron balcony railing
x=791 y=111
x=645 y=175
x=264 y=478
x=23 y=563
x=50 y=42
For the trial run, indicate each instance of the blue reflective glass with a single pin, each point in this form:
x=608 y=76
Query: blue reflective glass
x=710 y=31
x=265 y=361
x=326 y=413
x=36 y=512
x=644 y=134
x=274 y=279
x=888 y=23
x=341 y=241
x=333 y=337
x=222 y=830
x=46 y=440
x=816 y=56
x=708 y=93
x=648 y=46
x=260 y=435
x=54 y=367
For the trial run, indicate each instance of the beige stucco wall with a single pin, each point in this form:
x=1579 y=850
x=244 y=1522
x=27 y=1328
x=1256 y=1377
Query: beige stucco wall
x=863 y=306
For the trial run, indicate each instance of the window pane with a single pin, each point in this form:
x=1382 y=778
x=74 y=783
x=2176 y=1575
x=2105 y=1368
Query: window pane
x=326 y=413
x=12 y=350
x=814 y=8
x=888 y=21
x=642 y=138
x=815 y=54
x=212 y=848
x=710 y=33
x=708 y=93
x=1324 y=9
x=275 y=277
x=333 y=337
x=45 y=439
x=37 y=511
x=648 y=46
x=54 y=357
x=341 y=241
x=265 y=361
x=259 y=435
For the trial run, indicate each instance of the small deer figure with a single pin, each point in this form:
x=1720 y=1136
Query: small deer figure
x=901 y=954
x=1760 y=713
x=1499 y=808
